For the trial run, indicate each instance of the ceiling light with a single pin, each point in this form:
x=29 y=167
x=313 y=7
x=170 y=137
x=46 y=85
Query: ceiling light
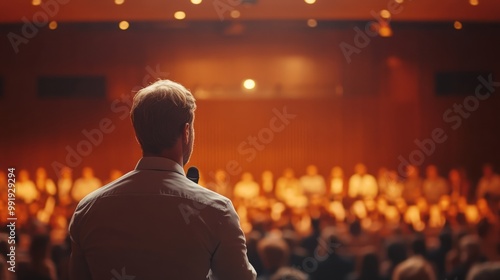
x=249 y=84
x=474 y=2
x=119 y=2
x=385 y=14
x=310 y=1
x=36 y=2
x=457 y=24
x=180 y=15
x=312 y=23
x=196 y=2
x=123 y=25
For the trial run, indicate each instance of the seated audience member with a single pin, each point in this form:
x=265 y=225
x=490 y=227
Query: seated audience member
x=64 y=186
x=369 y=268
x=434 y=186
x=438 y=255
x=40 y=266
x=25 y=188
x=415 y=268
x=331 y=265
x=361 y=184
x=113 y=175
x=312 y=183
x=246 y=190
x=46 y=195
x=485 y=271
x=489 y=185
x=297 y=253
x=469 y=255
x=274 y=253
x=288 y=187
x=382 y=179
x=393 y=187
x=337 y=182
x=86 y=184
x=396 y=254
x=289 y=273
x=412 y=190
x=419 y=246
x=267 y=184
x=221 y=184
x=459 y=185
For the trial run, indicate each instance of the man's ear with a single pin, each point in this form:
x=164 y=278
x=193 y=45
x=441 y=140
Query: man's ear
x=185 y=134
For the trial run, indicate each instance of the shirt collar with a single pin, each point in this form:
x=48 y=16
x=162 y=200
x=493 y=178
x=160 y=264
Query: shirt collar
x=159 y=163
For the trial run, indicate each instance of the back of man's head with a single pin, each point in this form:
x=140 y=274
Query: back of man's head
x=159 y=114
x=414 y=268
x=274 y=252
x=485 y=271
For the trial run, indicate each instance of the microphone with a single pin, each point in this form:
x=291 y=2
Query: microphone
x=193 y=174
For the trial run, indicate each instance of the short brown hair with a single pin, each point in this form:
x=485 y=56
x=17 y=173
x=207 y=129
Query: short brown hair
x=159 y=114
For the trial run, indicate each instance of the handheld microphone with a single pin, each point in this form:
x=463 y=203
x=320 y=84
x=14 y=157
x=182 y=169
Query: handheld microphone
x=193 y=174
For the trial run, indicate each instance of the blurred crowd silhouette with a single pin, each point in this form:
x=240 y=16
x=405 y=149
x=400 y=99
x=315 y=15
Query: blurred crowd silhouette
x=389 y=226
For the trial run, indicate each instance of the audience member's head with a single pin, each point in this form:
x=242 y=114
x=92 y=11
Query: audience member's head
x=470 y=249
x=487 y=170
x=312 y=170
x=88 y=172
x=360 y=169
x=412 y=171
x=163 y=116
x=446 y=239
x=431 y=172
x=369 y=266
x=273 y=252
x=39 y=247
x=418 y=245
x=396 y=252
x=337 y=172
x=485 y=271
x=414 y=268
x=289 y=273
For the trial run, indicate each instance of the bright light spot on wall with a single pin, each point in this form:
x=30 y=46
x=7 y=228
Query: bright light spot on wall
x=385 y=14
x=53 y=25
x=123 y=25
x=235 y=14
x=312 y=23
x=180 y=15
x=474 y=2
x=249 y=84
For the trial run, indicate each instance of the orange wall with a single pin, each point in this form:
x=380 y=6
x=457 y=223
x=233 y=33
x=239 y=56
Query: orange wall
x=388 y=99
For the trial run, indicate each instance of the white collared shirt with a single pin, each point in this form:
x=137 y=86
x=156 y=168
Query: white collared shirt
x=154 y=223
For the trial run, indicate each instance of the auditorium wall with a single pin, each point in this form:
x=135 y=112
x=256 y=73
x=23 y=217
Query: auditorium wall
x=310 y=106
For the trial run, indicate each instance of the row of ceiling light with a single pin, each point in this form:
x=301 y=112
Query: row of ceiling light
x=383 y=28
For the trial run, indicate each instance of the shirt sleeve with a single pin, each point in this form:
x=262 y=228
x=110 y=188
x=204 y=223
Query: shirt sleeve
x=78 y=267
x=229 y=260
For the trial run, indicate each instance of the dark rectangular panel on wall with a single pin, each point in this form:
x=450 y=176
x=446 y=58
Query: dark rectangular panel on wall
x=71 y=86
x=1 y=87
x=458 y=82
